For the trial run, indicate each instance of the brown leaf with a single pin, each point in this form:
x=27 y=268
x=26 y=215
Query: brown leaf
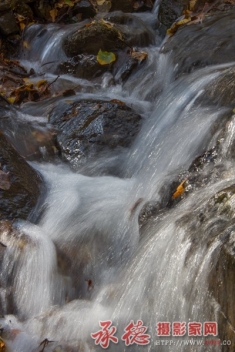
x=139 y=55
x=53 y=14
x=179 y=190
x=2 y=346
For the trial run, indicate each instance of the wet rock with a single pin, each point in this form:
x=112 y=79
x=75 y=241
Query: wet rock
x=220 y=91
x=169 y=11
x=222 y=277
x=203 y=44
x=85 y=8
x=133 y=29
x=87 y=128
x=8 y=24
x=122 y=5
x=24 y=189
x=83 y=66
x=90 y=39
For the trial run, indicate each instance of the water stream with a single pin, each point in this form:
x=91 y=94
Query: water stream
x=92 y=221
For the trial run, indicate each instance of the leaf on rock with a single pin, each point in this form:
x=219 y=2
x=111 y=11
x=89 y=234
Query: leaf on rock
x=69 y=2
x=100 y=2
x=139 y=55
x=176 y=25
x=2 y=346
x=53 y=14
x=179 y=190
x=105 y=57
x=26 y=45
x=41 y=83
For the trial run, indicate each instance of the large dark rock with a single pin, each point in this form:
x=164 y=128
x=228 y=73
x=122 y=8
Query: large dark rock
x=122 y=5
x=19 y=186
x=85 y=8
x=87 y=128
x=90 y=39
x=8 y=24
x=221 y=90
x=169 y=11
x=115 y=35
x=83 y=66
x=222 y=277
x=208 y=43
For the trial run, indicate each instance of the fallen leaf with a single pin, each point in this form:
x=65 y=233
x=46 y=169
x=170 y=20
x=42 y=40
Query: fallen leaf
x=139 y=55
x=69 y=3
x=179 y=190
x=197 y=19
x=105 y=57
x=22 y=26
x=26 y=45
x=172 y=30
x=100 y=2
x=11 y=99
x=53 y=14
x=2 y=346
x=41 y=83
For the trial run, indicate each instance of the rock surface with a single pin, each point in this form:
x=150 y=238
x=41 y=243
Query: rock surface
x=199 y=45
x=20 y=196
x=90 y=39
x=89 y=127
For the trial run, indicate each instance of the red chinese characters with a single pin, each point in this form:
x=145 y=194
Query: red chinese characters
x=105 y=335
x=178 y=328
x=135 y=333
x=194 y=329
x=210 y=328
x=163 y=329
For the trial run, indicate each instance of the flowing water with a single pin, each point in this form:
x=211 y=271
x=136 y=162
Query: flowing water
x=92 y=221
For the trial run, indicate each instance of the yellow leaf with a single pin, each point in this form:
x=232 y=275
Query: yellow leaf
x=192 y=4
x=69 y=3
x=26 y=44
x=41 y=83
x=176 y=25
x=100 y=2
x=105 y=57
x=22 y=26
x=11 y=100
x=234 y=110
x=53 y=14
x=20 y=18
x=179 y=190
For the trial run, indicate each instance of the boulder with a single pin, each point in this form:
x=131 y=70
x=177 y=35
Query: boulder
x=122 y=5
x=202 y=44
x=93 y=37
x=169 y=11
x=85 y=8
x=221 y=90
x=19 y=183
x=8 y=24
x=222 y=277
x=87 y=128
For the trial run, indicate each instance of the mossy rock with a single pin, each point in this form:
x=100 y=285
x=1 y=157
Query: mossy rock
x=91 y=38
